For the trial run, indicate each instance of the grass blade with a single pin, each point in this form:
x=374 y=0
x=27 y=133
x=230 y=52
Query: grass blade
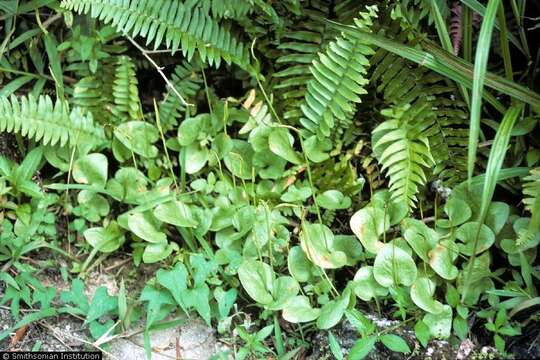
x=480 y=68
x=496 y=158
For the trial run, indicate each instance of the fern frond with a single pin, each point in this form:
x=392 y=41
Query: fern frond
x=338 y=80
x=176 y=24
x=403 y=83
x=125 y=92
x=51 y=124
x=228 y=9
x=531 y=188
x=187 y=81
x=403 y=150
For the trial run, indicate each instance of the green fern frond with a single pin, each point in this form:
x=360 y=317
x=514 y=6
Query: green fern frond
x=187 y=81
x=338 y=80
x=228 y=9
x=403 y=150
x=177 y=25
x=125 y=92
x=95 y=93
x=402 y=83
x=51 y=124
x=531 y=188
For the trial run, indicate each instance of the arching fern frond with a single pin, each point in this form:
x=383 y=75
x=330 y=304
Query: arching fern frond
x=174 y=23
x=228 y=9
x=338 y=80
x=125 y=92
x=50 y=124
x=187 y=80
x=402 y=148
x=531 y=188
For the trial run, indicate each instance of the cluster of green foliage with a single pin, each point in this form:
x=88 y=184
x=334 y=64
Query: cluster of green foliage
x=317 y=159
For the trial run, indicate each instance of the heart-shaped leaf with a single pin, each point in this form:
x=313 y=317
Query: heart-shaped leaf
x=106 y=239
x=190 y=129
x=458 y=212
x=299 y=265
x=284 y=288
x=420 y=237
x=91 y=170
x=333 y=200
x=440 y=324
x=299 y=310
x=157 y=252
x=368 y=224
x=333 y=311
x=280 y=143
x=317 y=242
x=393 y=266
x=138 y=136
x=176 y=213
x=422 y=295
x=144 y=226
x=468 y=232
x=441 y=259
x=196 y=157
x=257 y=278
x=365 y=286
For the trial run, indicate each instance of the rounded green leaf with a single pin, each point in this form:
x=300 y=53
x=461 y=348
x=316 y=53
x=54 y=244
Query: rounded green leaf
x=468 y=232
x=144 y=226
x=440 y=324
x=458 y=211
x=284 y=288
x=497 y=216
x=138 y=136
x=333 y=200
x=176 y=213
x=257 y=279
x=422 y=295
x=196 y=157
x=393 y=266
x=299 y=265
x=420 y=237
x=316 y=241
x=333 y=311
x=299 y=310
x=441 y=259
x=157 y=252
x=91 y=170
x=365 y=286
x=190 y=129
x=106 y=239
x=368 y=224
x=280 y=143
x=395 y=343
x=239 y=160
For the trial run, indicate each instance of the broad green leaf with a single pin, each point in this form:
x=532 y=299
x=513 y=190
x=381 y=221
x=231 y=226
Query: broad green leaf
x=440 y=324
x=196 y=157
x=317 y=243
x=395 y=211
x=175 y=280
x=239 y=160
x=102 y=303
x=368 y=224
x=350 y=246
x=280 y=143
x=106 y=239
x=335 y=347
x=442 y=257
x=333 y=200
x=190 y=129
x=395 y=343
x=27 y=168
x=470 y=232
x=157 y=252
x=393 y=266
x=422 y=295
x=362 y=348
x=144 y=226
x=365 y=286
x=299 y=265
x=284 y=288
x=138 y=136
x=175 y=212
x=299 y=310
x=458 y=212
x=333 y=311
x=91 y=170
x=419 y=236
x=257 y=278
x=497 y=215
x=317 y=149
x=421 y=330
